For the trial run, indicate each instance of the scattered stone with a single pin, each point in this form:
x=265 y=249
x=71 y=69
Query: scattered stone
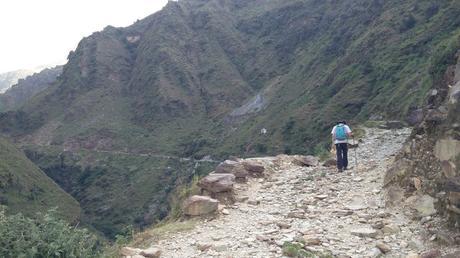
x=309 y=161
x=200 y=205
x=383 y=247
x=311 y=240
x=378 y=225
x=357 y=203
x=262 y=238
x=417 y=183
x=203 y=246
x=425 y=219
x=283 y=225
x=253 y=202
x=152 y=252
x=434 y=253
x=445 y=239
x=343 y=213
x=220 y=247
x=374 y=253
x=358 y=179
x=413 y=255
x=416 y=244
x=364 y=232
x=241 y=198
x=321 y=196
x=452 y=255
x=296 y=214
x=129 y=251
x=391 y=229
x=225 y=212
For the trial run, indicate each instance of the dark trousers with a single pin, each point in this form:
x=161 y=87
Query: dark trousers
x=342 y=155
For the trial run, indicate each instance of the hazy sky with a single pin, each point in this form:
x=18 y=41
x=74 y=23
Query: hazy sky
x=40 y=32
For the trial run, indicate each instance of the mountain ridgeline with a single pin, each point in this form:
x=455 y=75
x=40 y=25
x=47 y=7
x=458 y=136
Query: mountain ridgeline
x=203 y=77
x=26 y=88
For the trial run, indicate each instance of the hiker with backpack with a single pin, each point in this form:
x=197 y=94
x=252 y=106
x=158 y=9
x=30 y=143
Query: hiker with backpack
x=340 y=134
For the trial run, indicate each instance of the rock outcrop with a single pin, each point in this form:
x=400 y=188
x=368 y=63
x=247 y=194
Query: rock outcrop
x=232 y=167
x=200 y=205
x=426 y=170
x=217 y=183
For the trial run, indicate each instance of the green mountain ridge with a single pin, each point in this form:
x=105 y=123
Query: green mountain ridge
x=25 y=188
x=203 y=77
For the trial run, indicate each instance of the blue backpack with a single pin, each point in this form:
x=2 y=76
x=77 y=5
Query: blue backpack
x=340 y=133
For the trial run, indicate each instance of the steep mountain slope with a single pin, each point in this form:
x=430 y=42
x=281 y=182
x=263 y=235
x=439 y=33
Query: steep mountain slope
x=26 y=88
x=185 y=69
x=25 y=188
x=203 y=77
x=8 y=79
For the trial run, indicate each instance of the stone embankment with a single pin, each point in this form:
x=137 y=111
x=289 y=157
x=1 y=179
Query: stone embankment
x=293 y=205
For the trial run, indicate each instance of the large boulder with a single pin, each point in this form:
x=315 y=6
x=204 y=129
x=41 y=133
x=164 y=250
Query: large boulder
x=232 y=167
x=217 y=183
x=200 y=205
x=308 y=161
x=254 y=168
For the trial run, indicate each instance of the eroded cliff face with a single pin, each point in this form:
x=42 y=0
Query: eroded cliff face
x=425 y=175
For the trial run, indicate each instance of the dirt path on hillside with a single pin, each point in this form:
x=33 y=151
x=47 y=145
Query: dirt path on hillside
x=341 y=213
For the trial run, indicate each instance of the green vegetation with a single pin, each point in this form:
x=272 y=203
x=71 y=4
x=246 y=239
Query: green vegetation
x=44 y=236
x=120 y=107
x=296 y=250
x=120 y=192
x=25 y=188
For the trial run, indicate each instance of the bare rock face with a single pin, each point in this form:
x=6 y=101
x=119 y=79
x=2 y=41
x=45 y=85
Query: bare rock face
x=200 y=205
x=432 y=155
x=217 y=183
x=232 y=167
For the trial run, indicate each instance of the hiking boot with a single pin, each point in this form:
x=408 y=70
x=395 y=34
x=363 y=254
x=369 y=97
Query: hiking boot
x=345 y=168
x=340 y=170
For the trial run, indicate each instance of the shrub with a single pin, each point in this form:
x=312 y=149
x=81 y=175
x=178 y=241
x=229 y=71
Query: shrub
x=44 y=236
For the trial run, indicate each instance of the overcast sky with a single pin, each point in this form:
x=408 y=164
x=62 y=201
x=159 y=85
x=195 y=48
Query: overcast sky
x=40 y=32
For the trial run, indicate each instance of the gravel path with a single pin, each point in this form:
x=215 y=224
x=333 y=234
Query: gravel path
x=341 y=213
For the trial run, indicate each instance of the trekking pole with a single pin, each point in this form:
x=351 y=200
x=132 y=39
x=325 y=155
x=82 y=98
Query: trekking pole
x=356 y=156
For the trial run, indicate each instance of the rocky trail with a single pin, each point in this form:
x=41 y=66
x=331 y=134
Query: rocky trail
x=330 y=213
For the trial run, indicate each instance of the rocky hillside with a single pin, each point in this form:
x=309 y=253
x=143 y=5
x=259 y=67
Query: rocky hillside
x=25 y=188
x=297 y=208
x=428 y=166
x=26 y=88
x=202 y=78
x=11 y=78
